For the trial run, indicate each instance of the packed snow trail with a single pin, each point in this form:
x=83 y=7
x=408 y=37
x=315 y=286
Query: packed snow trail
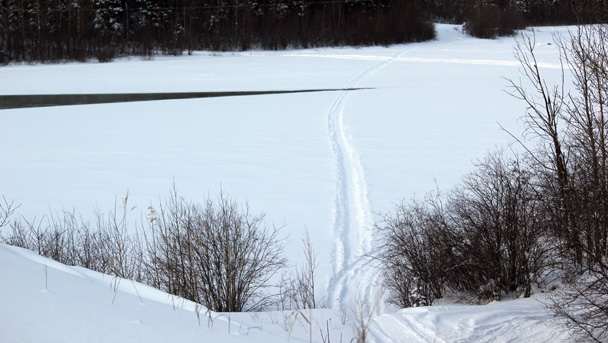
x=521 y=320
x=354 y=283
x=76 y=304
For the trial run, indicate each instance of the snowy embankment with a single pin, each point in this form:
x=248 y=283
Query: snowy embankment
x=523 y=320
x=45 y=301
x=325 y=162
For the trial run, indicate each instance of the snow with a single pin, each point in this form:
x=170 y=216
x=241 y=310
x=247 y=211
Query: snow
x=81 y=306
x=325 y=162
x=509 y=321
x=45 y=301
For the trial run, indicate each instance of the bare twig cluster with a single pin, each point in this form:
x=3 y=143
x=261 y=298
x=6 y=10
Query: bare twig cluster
x=102 y=244
x=298 y=286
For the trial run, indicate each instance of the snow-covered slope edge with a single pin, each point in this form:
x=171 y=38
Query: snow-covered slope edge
x=521 y=320
x=45 y=301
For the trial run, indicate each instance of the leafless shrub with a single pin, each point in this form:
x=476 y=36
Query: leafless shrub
x=414 y=252
x=217 y=254
x=19 y=236
x=502 y=223
x=120 y=250
x=105 y=246
x=486 y=237
x=297 y=288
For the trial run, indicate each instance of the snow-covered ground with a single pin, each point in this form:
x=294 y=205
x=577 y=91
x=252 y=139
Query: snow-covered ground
x=44 y=301
x=324 y=162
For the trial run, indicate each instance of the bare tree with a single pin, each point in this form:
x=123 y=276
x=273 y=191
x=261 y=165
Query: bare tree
x=574 y=179
x=586 y=53
x=546 y=106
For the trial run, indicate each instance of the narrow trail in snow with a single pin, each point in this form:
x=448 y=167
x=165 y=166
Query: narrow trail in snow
x=354 y=282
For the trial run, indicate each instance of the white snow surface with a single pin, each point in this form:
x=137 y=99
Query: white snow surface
x=45 y=301
x=325 y=162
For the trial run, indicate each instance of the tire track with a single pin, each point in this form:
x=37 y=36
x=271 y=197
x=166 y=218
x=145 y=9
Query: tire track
x=392 y=326
x=354 y=281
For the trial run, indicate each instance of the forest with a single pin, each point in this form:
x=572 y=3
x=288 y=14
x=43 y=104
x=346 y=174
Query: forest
x=36 y=31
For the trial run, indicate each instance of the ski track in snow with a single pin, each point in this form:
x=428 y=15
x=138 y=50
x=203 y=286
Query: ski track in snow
x=426 y=60
x=354 y=280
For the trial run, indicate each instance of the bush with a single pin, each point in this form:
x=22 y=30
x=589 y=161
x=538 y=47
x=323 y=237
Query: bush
x=492 y=22
x=485 y=238
x=105 y=246
x=584 y=304
x=218 y=254
x=416 y=243
x=500 y=216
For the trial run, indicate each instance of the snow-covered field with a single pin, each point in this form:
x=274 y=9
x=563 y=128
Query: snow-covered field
x=324 y=162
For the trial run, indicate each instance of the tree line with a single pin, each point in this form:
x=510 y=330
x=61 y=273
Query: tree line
x=78 y=30
x=534 y=12
x=59 y=30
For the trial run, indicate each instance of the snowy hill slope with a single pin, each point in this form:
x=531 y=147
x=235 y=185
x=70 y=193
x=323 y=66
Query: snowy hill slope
x=523 y=320
x=45 y=301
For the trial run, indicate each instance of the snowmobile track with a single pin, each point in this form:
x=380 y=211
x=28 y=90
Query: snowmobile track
x=354 y=279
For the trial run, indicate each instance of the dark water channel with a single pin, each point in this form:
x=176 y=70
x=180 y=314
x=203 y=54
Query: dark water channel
x=45 y=100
